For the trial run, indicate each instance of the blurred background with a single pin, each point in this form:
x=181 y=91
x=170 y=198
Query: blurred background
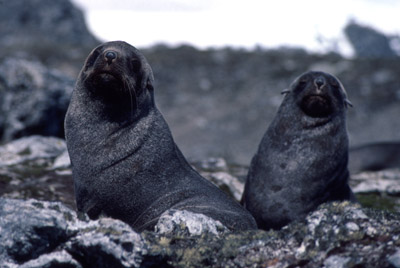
x=219 y=65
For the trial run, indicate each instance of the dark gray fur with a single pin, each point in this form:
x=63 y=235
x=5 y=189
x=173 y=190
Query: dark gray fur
x=302 y=159
x=125 y=162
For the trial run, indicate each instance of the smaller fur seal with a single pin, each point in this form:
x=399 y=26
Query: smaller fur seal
x=125 y=163
x=302 y=159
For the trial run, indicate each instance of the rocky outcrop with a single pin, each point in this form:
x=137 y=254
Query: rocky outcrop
x=48 y=234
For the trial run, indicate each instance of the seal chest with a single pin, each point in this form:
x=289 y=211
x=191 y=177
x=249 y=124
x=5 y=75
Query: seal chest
x=125 y=162
x=302 y=159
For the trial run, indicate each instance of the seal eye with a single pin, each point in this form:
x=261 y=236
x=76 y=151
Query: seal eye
x=301 y=85
x=92 y=58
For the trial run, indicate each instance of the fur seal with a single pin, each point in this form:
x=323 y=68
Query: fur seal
x=301 y=161
x=125 y=162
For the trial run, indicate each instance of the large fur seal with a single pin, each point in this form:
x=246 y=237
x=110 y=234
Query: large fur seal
x=302 y=159
x=125 y=162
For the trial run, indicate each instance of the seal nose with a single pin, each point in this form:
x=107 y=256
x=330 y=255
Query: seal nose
x=110 y=56
x=319 y=82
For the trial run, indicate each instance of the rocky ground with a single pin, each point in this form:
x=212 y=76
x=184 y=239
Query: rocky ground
x=38 y=233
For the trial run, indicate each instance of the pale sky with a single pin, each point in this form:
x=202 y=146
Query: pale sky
x=237 y=23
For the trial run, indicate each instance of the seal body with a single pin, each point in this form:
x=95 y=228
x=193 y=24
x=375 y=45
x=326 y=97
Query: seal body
x=302 y=159
x=125 y=162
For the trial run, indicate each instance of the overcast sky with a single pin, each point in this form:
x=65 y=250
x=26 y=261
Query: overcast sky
x=237 y=23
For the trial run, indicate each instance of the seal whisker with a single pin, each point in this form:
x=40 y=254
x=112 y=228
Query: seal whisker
x=129 y=87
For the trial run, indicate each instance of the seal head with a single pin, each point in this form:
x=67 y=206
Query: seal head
x=302 y=159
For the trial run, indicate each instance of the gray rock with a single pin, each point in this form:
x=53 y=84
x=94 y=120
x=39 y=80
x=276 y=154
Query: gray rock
x=107 y=243
x=47 y=234
x=62 y=161
x=368 y=42
x=31 y=228
x=386 y=181
x=226 y=182
x=54 y=259
x=31 y=148
x=337 y=262
x=395 y=259
x=33 y=99
x=48 y=30
x=28 y=170
x=35 y=233
x=182 y=221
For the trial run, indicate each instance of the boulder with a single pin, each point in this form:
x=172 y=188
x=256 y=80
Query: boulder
x=33 y=99
x=52 y=31
x=368 y=42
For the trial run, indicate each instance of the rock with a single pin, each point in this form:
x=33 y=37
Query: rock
x=387 y=181
x=107 y=243
x=55 y=259
x=47 y=234
x=35 y=233
x=62 y=161
x=327 y=237
x=337 y=262
x=182 y=221
x=227 y=183
x=229 y=178
x=52 y=31
x=395 y=259
x=31 y=148
x=36 y=167
x=368 y=42
x=33 y=99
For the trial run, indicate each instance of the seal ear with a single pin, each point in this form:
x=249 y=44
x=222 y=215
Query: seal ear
x=147 y=77
x=141 y=67
x=285 y=91
x=347 y=102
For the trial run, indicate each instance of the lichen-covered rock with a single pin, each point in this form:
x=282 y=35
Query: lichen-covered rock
x=31 y=148
x=107 y=243
x=42 y=234
x=35 y=233
x=48 y=234
x=335 y=235
x=32 y=228
x=183 y=221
